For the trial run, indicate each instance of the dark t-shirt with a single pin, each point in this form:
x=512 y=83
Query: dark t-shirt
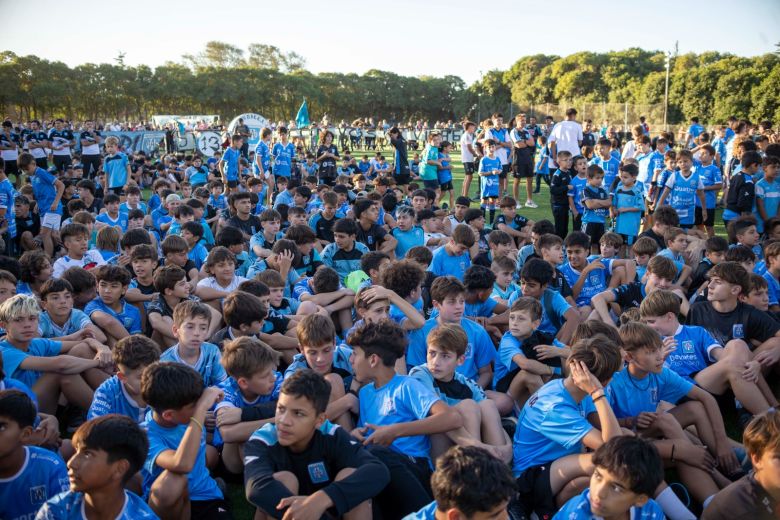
x=327 y=168
x=249 y=226
x=371 y=237
x=629 y=296
x=744 y=499
x=655 y=236
x=744 y=322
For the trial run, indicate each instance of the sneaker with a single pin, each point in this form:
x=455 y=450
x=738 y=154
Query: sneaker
x=531 y=204
x=518 y=206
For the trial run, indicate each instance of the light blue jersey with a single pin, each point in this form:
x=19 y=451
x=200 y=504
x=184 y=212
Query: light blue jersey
x=480 y=351
x=595 y=283
x=489 y=183
x=45 y=192
x=129 y=316
x=551 y=425
x=340 y=366
x=630 y=396
x=235 y=399
x=7 y=197
x=407 y=239
x=402 y=399
x=119 y=222
x=769 y=194
x=628 y=223
x=610 y=167
x=682 y=196
x=200 y=484
x=13 y=358
x=444 y=264
x=43 y=476
x=69 y=505
x=578 y=508
x=112 y=397
x=469 y=388
x=75 y=322
x=283 y=155
x=510 y=347
x=115 y=167
x=208 y=364
x=231 y=159
x=578 y=185
x=694 y=350
x=709 y=176
x=426 y=513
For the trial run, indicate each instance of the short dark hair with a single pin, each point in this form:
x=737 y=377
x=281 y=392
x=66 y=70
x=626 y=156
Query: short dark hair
x=733 y=273
x=144 y=252
x=470 y=214
x=716 y=244
x=542 y=227
x=633 y=460
x=229 y=236
x=666 y=215
x=600 y=355
x=577 y=239
x=470 y=479
x=345 y=225
x=80 y=279
x=242 y=308
x=174 y=244
x=194 y=228
x=167 y=276
x=17 y=406
x=217 y=255
x=170 y=386
x=478 y=277
x=254 y=287
x=310 y=385
x=420 y=254
x=73 y=230
x=119 y=436
x=498 y=237
x=245 y=356
x=55 y=285
x=463 y=235
x=112 y=273
x=372 y=260
x=315 y=330
x=386 y=339
x=750 y=158
x=135 y=237
x=31 y=264
x=136 y=351
x=325 y=280
x=403 y=277
x=537 y=270
x=301 y=235
x=444 y=287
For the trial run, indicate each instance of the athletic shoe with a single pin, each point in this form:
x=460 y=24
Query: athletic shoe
x=518 y=206
x=531 y=204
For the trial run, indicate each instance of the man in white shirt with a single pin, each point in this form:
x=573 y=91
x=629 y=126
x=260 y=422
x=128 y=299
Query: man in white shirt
x=468 y=155
x=566 y=135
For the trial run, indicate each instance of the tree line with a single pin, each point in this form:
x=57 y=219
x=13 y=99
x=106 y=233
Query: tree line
x=225 y=80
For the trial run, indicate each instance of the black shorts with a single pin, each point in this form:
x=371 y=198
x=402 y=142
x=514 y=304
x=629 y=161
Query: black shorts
x=502 y=385
x=523 y=169
x=233 y=184
x=469 y=168
x=207 y=509
x=504 y=171
x=534 y=491
x=628 y=239
x=402 y=179
x=446 y=186
x=710 y=217
x=432 y=185
x=42 y=162
x=11 y=167
x=595 y=230
x=686 y=227
x=329 y=181
x=115 y=191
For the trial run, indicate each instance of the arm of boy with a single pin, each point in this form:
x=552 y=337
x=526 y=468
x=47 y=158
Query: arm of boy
x=63 y=364
x=663 y=196
x=584 y=276
x=110 y=325
x=703 y=202
x=588 y=383
x=162 y=324
x=727 y=461
x=414 y=320
x=182 y=460
x=241 y=431
x=532 y=366
x=60 y=187
x=684 y=274
x=441 y=419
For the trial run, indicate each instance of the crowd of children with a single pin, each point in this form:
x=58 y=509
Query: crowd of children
x=385 y=350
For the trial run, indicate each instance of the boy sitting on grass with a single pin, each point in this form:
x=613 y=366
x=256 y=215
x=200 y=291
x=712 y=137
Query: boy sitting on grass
x=468 y=483
x=447 y=345
x=627 y=471
x=176 y=479
x=109 y=452
x=121 y=393
x=301 y=464
x=60 y=321
x=109 y=310
x=253 y=382
x=73 y=368
x=397 y=416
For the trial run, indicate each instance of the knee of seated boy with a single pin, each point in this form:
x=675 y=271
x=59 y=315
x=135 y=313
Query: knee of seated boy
x=738 y=350
x=169 y=488
x=289 y=480
x=468 y=408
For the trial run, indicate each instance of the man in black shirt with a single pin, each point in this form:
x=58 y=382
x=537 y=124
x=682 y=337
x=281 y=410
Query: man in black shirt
x=401 y=172
x=241 y=207
x=304 y=465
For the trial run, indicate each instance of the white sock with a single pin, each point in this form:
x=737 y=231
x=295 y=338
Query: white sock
x=707 y=501
x=672 y=506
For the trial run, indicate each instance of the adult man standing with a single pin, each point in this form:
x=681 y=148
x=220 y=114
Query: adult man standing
x=243 y=131
x=523 y=162
x=90 y=149
x=566 y=135
x=468 y=155
x=500 y=135
x=61 y=139
x=36 y=141
x=9 y=148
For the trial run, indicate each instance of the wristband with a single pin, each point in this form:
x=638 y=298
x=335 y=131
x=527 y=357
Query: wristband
x=193 y=419
x=602 y=396
x=595 y=391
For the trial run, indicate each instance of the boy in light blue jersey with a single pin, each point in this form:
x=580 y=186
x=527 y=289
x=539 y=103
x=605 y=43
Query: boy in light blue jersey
x=344 y=254
x=109 y=310
x=627 y=472
x=596 y=202
x=659 y=179
x=606 y=162
x=47 y=190
x=444 y=174
x=682 y=189
x=676 y=243
x=7 y=197
x=176 y=479
x=407 y=232
x=32 y=475
x=647 y=160
x=446 y=349
x=586 y=279
x=577 y=185
x=112 y=216
x=503 y=268
x=60 y=321
x=712 y=181
x=719 y=145
x=635 y=393
x=261 y=242
x=283 y=153
x=121 y=394
x=695 y=355
x=197 y=174
x=767 y=193
x=628 y=204
x=133 y=201
x=116 y=166
x=262 y=163
x=217 y=199
x=458 y=494
x=229 y=164
x=447 y=294
x=552 y=428
x=109 y=452
x=489 y=172
x=253 y=383
x=745 y=229
x=391 y=406
x=453 y=258
x=191 y=321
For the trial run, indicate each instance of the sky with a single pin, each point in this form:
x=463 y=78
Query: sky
x=407 y=37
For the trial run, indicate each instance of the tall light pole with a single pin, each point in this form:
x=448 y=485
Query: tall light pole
x=668 y=61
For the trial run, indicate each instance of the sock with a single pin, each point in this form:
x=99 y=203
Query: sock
x=707 y=501
x=482 y=207
x=492 y=213
x=672 y=506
